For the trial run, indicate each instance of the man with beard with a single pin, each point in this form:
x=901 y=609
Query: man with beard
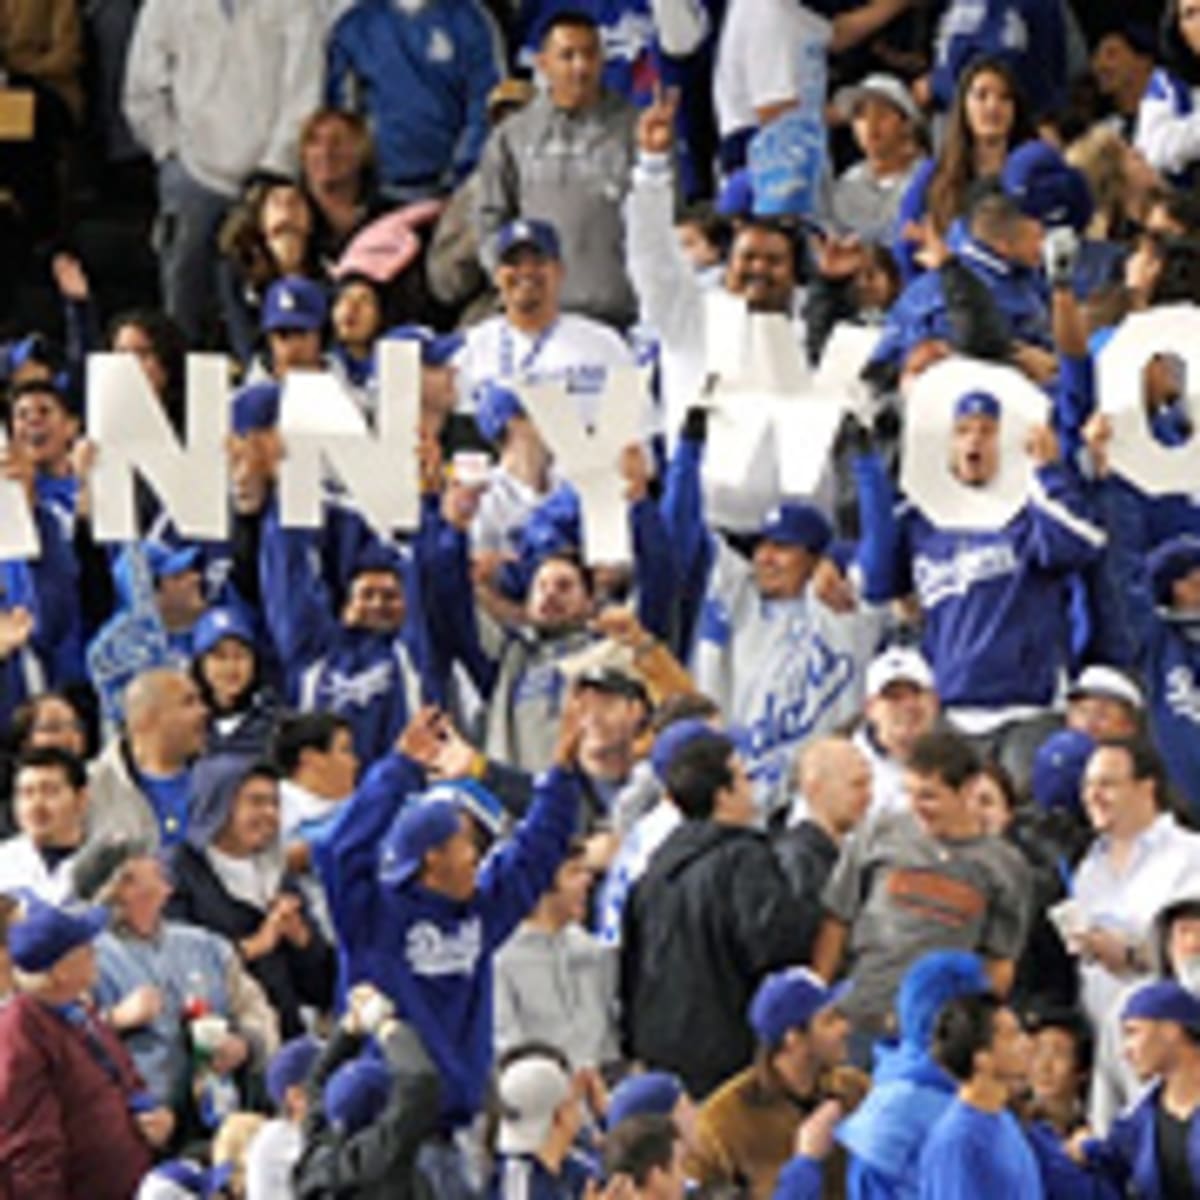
x=533 y=340
x=761 y=267
x=993 y=600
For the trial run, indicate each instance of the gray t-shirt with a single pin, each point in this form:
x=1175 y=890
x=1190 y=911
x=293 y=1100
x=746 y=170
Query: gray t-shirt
x=904 y=893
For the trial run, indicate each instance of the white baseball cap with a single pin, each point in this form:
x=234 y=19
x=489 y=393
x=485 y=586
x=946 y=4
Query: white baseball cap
x=898 y=664
x=883 y=87
x=530 y=1091
x=1108 y=682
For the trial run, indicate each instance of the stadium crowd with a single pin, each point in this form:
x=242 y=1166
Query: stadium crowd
x=844 y=840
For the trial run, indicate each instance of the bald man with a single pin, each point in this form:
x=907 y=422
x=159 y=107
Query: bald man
x=139 y=785
x=832 y=780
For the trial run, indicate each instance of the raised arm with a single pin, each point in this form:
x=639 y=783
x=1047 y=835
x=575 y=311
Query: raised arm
x=515 y=875
x=668 y=293
x=347 y=857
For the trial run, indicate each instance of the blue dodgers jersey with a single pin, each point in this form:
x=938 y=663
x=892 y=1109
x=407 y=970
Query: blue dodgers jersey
x=996 y=624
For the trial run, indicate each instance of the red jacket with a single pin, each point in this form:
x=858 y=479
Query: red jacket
x=66 y=1132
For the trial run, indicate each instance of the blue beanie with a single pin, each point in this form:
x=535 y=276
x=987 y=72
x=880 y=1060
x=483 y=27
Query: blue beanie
x=356 y=1093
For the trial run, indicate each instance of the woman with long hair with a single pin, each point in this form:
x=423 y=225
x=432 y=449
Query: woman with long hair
x=161 y=350
x=1168 y=123
x=269 y=235
x=988 y=120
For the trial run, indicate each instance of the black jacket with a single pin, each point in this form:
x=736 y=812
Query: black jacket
x=291 y=977
x=711 y=916
x=807 y=855
x=378 y=1162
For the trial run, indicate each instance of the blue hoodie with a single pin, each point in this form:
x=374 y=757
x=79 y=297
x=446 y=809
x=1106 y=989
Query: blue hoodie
x=432 y=955
x=422 y=78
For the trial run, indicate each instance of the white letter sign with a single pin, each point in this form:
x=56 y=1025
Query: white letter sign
x=925 y=476
x=1155 y=469
x=127 y=421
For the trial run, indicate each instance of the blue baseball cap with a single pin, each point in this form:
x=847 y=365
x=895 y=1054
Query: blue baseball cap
x=378 y=555
x=536 y=235
x=1170 y=561
x=1046 y=187
x=470 y=796
x=294 y=302
x=356 y=1093
x=798 y=524
x=495 y=406
x=977 y=404
x=290 y=1066
x=181 y=1179
x=651 y=1094
x=255 y=407
x=674 y=738
x=1165 y=1000
x=736 y=198
x=437 y=349
x=1058 y=767
x=218 y=623
x=789 y=999
x=166 y=561
x=1141 y=36
x=44 y=933
x=419 y=827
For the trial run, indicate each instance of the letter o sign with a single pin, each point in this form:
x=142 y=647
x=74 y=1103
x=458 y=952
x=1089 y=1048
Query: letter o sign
x=925 y=475
x=1134 y=453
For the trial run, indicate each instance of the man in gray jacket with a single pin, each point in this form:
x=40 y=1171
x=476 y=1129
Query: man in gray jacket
x=140 y=783
x=566 y=158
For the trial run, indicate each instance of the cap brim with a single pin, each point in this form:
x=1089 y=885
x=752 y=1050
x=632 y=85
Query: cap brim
x=399 y=873
x=848 y=99
x=836 y=994
x=527 y=244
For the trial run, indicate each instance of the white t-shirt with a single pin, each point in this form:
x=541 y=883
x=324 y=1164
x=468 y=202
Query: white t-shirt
x=770 y=51
x=274 y=1150
x=574 y=349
